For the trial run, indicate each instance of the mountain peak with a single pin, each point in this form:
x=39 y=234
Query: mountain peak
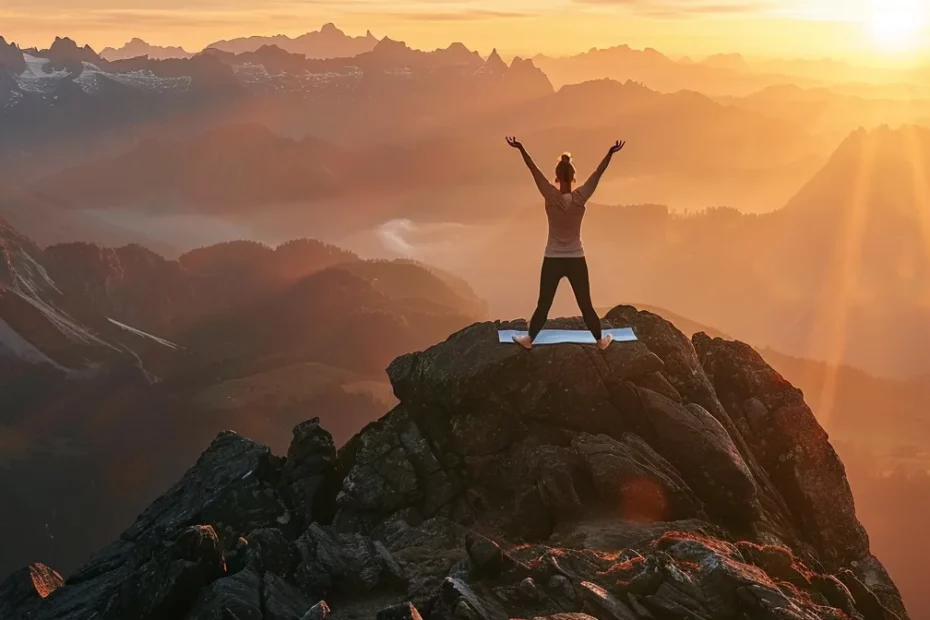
x=331 y=29
x=495 y=63
x=11 y=57
x=388 y=44
x=65 y=50
x=619 y=475
x=886 y=156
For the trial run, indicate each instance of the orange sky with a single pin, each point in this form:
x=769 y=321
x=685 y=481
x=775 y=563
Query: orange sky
x=880 y=30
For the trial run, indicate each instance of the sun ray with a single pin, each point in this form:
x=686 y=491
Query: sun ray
x=846 y=271
x=921 y=194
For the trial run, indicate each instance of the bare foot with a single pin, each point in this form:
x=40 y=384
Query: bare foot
x=524 y=341
x=604 y=342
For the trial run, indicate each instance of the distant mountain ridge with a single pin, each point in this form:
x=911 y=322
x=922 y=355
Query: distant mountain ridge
x=137 y=47
x=328 y=42
x=68 y=103
x=727 y=74
x=104 y=350
x=158 y=179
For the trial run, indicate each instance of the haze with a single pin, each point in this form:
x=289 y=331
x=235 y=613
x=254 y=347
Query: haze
x=232 y=214
x=874 y=30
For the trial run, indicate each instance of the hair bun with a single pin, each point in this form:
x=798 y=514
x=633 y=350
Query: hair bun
x=566 y=157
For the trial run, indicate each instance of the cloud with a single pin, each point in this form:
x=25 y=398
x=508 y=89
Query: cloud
x=428 y=240
x=688 y=8
x=449 y=16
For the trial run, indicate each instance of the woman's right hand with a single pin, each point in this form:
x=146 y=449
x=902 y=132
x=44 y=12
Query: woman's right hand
x=512 y=141
x=616 y=148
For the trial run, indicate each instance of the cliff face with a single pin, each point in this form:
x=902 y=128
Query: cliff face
x=659 y=479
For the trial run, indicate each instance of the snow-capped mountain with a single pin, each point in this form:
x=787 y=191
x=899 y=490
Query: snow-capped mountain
x=37 y=328
x=67 y=105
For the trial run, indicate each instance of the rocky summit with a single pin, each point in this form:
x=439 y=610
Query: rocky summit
x=663 y=479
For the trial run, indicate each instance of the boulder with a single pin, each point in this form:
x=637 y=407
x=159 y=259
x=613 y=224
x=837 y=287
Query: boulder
x=237 y=596
x=22 y=591
x=282 y=600
x=317 y=612
x=403 y=611
x=268 y=550
x=604 y=604
x=484 y=555
x=311 y=459
x=180 y=538
x=160 y=580
x=634 y=481
x=347 y=563
x=788 y=441
x=702 y=450
x=232 y=487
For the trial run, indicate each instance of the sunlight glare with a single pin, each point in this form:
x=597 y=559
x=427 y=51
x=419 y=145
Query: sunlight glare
x=896 y=25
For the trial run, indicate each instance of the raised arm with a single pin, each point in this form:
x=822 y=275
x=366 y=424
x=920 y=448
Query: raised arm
x=547 y=189
x=591 y=184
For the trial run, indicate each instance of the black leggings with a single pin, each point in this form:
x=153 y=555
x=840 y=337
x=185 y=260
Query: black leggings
x=576 y=270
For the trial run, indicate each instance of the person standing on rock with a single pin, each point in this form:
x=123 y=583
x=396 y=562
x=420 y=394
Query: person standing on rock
x=564 y=257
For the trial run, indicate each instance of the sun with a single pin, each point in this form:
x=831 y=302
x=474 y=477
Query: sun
x=897 y=25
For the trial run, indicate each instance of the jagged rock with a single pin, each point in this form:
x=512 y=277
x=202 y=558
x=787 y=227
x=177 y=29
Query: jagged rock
x=777 y=562
x=702 y=450
x=480 y=382
x=21 y=592
x=268 y=550
x=171 y=580
x=429 y=553
x=836 y=594
x=866 y=600
x=456 y=600
x=317 y=612
x=633 y=480
x=161 y=580
x=404 y=611
x=604 y=604
x=231 y=488
x=658 y=479
x=790 y=444
x=310 y=461
x=560 y=482
x=562 y=591
x=485 y=555
x=796 y=453
x=238 y=595
x=354 y=563
x=281 y=600
x=382 y=479
x=529 y=590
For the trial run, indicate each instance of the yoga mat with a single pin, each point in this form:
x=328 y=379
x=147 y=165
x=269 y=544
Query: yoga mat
x=561 y=336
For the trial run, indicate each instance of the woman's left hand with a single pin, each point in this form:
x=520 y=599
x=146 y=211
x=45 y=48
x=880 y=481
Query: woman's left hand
x=616 y=148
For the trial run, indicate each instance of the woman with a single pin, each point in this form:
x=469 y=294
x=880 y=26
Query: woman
x=564 y=256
